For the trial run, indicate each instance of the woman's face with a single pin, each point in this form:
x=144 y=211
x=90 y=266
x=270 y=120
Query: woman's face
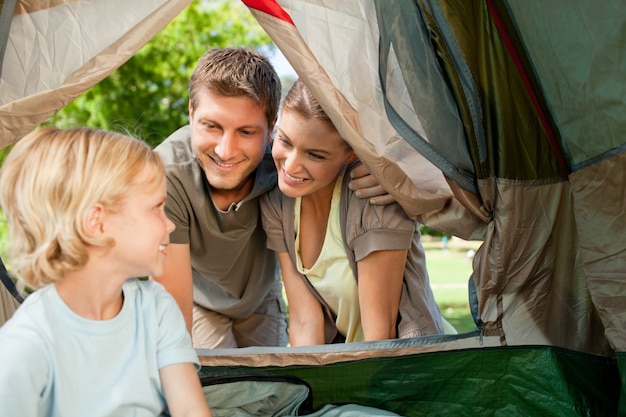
x=309 y=154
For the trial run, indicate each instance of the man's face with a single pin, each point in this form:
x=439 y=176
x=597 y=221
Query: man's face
x=228 y=136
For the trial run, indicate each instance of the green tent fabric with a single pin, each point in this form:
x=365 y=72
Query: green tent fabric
x=487 y=381
x=481 y=120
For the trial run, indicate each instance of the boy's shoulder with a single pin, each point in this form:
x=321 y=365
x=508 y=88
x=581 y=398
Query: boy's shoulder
x=145 y=291
x=29 y=322
x=144 y=286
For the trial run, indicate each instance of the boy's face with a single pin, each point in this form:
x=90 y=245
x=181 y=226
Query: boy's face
x=228 y=136
x=141 y=231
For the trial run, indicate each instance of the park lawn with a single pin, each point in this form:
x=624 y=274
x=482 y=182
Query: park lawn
x=449 y=270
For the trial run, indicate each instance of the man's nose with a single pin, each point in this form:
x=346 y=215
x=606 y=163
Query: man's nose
x=227 y=146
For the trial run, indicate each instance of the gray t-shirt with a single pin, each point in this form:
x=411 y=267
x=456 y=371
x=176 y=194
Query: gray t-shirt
x=55 y=362
x=232 y=268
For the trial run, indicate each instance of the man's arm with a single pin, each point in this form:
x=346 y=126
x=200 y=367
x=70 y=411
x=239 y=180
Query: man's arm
x=366 y=186
x=177 y=279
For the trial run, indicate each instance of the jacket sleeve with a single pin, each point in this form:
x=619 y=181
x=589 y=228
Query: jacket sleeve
x=272 y=218
x=371 y=228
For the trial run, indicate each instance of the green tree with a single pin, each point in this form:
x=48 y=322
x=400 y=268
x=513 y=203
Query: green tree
x=147 y=97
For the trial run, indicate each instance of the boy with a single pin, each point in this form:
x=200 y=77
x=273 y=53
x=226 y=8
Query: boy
x=85 y=210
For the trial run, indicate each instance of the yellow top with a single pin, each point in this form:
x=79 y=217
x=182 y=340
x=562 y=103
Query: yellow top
x=331 y=275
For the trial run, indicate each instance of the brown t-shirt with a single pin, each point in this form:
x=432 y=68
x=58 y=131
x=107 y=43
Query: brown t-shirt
x=232 y=268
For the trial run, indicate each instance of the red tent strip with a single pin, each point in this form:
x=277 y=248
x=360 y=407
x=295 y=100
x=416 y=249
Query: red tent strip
x=270 y=7
x=524 y=77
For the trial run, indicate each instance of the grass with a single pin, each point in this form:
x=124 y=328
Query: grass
x=449 y=270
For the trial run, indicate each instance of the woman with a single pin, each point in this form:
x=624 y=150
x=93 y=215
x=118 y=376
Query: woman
x=352 y=271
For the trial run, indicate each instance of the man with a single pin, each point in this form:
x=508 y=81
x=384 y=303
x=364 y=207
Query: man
x=218 y=268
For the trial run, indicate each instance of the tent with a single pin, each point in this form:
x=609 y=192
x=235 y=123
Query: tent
x=51 y=51
x=500 y=121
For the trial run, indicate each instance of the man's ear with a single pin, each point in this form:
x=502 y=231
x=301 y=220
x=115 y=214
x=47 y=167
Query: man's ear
x=94 y=220
x=190 y=107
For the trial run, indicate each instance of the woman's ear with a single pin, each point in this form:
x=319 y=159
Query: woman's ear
x=351 y=157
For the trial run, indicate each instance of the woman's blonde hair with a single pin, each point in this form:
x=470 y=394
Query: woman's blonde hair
x=49 y=182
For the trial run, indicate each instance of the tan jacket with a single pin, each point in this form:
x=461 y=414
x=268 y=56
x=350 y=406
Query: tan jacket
x=366 y=228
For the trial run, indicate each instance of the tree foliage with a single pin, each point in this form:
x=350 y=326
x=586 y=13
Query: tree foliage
x=147 y=96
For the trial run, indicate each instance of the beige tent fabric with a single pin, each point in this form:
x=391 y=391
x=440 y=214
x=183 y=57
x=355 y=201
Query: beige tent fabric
x=425 y=193
x=603 y=255
x=8 y=304
x=533 y=289
x=25 y=7
x=330 y=354
x=73 y=49
x=529 y=272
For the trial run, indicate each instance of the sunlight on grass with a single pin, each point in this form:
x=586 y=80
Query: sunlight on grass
x=449 y=269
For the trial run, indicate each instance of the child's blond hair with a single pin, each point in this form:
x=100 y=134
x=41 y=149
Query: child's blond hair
x=49 y=182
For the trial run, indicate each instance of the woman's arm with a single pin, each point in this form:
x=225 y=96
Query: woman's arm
x=183 y=392
x=381 y=274
x=306 y=318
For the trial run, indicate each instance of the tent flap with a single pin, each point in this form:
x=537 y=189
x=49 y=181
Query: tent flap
x=467 y=126
x=57 y=50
